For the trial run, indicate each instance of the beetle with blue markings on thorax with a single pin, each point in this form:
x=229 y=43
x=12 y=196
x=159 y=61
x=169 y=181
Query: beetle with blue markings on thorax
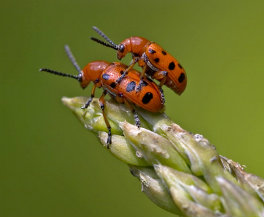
x=104 y=74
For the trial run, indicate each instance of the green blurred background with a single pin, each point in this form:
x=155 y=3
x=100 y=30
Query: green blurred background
x=50 y=165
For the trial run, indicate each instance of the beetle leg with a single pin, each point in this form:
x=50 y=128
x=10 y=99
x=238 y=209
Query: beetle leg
x=160 y=76
x=131 y=65
x=131 y=107
x=141 y=78
x=102 y=105
x=162 y=96
x=86 y=105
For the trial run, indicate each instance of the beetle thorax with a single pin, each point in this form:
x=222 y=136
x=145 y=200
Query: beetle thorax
x=92 y=72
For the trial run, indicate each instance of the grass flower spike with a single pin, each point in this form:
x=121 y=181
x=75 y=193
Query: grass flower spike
x=179 y=171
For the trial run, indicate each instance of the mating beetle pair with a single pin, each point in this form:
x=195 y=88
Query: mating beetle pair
x=125 y=84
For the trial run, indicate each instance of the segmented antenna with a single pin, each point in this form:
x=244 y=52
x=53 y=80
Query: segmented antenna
x=59 y=73
x=72 y=58
x=103 y=43
x=105 y=37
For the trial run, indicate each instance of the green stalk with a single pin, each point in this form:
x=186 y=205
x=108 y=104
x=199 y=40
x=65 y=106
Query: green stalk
x=179 y=171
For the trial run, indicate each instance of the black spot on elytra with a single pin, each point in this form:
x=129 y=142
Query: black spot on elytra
x=131 y=86
x=113 y=85
x=106 y=76
x=151 y=51
x=147 y=97
x=121 y=72
x=171 y=65
x=156 y=60
x=181 y=78
x=164 y=52
x=179 y=65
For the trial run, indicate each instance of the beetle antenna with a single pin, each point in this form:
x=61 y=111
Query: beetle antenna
x=60 y=73
x=103 y=43
x=105 y=37
x=72 y=58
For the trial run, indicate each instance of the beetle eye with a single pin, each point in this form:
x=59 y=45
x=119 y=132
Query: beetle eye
x=80 y=77
x=121 y=48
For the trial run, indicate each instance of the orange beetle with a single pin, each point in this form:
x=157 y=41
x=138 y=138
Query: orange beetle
x=155 y=61
x=104 y=74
